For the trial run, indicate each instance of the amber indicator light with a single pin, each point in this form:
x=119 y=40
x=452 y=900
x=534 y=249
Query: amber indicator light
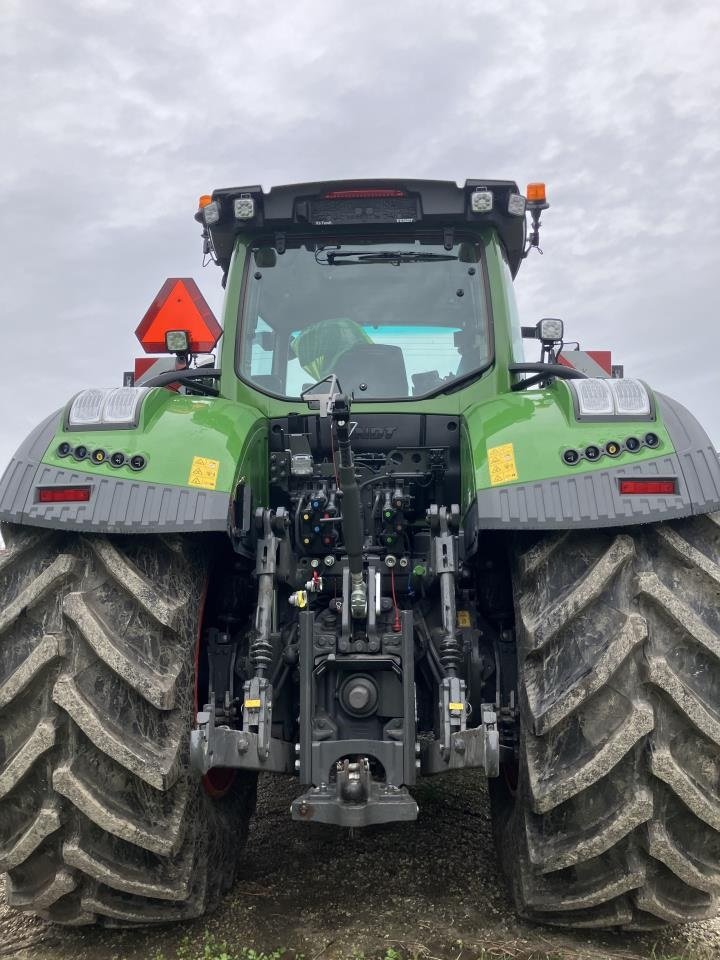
x=536 y=192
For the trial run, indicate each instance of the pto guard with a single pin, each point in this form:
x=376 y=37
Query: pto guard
x=194 y=451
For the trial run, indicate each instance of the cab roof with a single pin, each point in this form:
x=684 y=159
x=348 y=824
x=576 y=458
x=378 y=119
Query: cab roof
x=336 y=208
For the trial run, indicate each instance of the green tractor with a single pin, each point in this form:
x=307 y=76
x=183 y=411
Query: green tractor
x=372 y=542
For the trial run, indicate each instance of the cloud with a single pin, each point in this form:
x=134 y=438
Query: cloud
x=117 y=115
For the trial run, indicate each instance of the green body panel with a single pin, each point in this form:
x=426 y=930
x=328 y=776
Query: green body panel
x=540 y=425
x=173 y=430
x=233 y=429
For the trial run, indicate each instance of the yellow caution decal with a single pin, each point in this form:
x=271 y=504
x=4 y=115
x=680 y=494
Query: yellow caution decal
x=455 y=707
x=252 y=704
x=501 y=463
x=463 y=619
x=203 y=473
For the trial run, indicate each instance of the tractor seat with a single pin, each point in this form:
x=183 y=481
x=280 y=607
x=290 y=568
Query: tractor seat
x=378 y=366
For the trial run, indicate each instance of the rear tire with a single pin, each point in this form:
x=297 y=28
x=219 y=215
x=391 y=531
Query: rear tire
x=615 y=818
x=101 y=820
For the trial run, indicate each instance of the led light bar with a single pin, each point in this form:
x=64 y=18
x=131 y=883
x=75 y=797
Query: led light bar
x=370 y=193
x=112 y=407
x=652 y=487
x=601 y=397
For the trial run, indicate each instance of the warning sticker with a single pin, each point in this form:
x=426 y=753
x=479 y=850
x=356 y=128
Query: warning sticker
x=501 y=462
x=203 y=473
x=463 y=619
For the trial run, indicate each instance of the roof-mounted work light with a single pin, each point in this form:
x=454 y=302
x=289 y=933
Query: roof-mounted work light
x=516 y=205
x=481 y=201
x=244 y=208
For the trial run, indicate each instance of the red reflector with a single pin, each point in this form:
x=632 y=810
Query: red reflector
x=179 y=305
x=649 y=486
x=63 y=494
x=369 y=194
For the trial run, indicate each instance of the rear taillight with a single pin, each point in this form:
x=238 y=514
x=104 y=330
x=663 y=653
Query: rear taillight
x=652 y=487
x=63 y=494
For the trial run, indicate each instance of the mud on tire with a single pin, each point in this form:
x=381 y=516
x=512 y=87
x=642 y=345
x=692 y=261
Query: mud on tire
x=100 y=820
x=612 y=817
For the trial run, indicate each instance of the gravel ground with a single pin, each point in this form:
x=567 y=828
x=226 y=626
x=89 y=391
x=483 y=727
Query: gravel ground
x=429 y=889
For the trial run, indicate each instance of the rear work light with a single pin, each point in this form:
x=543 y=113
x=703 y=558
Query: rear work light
x=111 y=407
x=481 y=201
x=63 y=494
x=244 y=208
x=516 y=205
x=602 y=398
x=652 y=487
x=631 y=398
x=365 y=194
x=211 y=213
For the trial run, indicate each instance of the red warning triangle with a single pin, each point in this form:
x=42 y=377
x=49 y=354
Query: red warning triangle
x=179 y=305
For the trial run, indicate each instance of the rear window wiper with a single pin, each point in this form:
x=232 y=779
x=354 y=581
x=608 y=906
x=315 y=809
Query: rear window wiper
x=341 y=258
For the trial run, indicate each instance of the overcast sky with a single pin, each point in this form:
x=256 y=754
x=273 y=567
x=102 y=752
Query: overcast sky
x=116 y=116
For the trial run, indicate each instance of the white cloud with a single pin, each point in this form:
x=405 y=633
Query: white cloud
x=117 y=115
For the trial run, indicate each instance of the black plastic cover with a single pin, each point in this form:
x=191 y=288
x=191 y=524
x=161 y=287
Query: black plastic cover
x=304 y=208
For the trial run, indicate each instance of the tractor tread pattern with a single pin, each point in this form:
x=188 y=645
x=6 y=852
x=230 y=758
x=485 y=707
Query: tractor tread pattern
x=100 y=819
x=616 y=819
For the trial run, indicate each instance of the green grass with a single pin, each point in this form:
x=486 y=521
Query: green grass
x=212 y=949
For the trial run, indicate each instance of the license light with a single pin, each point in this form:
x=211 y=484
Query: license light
x=516 y=205
x=652 y=487
x=211 y=213
x=631 y=397
x=63 y=494
x=481 y=201
x=595 y=398
x=244 y=208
